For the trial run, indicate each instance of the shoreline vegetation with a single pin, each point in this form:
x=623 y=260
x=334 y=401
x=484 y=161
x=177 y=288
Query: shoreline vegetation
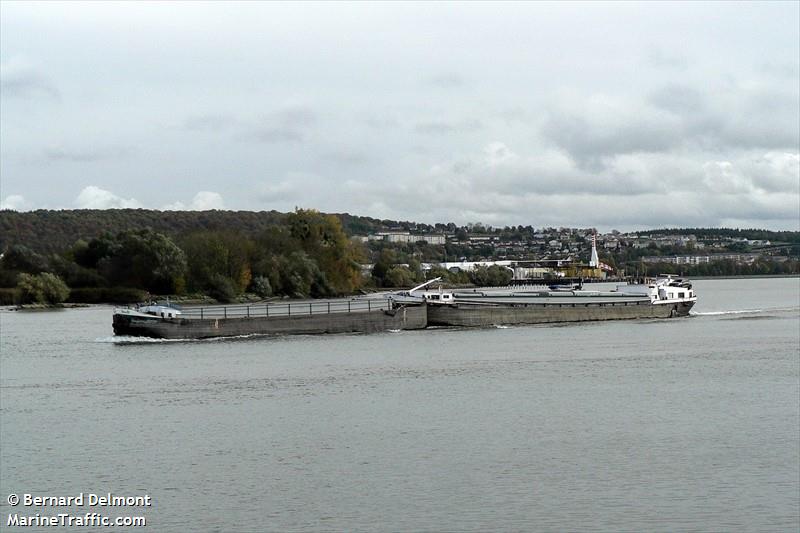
x=124 y=256
x=205 y=300
x=748 y=276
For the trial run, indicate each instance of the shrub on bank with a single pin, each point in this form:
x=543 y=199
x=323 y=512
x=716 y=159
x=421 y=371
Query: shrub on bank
x=493 y=276
x=261 y=286
x=42 y=288
x=221 y=288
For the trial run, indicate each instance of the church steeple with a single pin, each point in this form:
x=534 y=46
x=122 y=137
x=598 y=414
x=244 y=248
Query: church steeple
x=594 y=262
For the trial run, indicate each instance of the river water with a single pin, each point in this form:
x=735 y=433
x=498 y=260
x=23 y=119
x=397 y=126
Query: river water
x=656 y=425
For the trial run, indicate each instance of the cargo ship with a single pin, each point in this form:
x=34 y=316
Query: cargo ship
x=662 y=297
x=417 y=308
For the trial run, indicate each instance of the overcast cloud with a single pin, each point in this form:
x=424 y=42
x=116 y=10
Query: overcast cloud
x=615 y=115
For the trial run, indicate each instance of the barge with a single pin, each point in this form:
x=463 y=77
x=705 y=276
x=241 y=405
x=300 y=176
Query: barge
x=418 y=308
x=295 y=318
x=663 y=297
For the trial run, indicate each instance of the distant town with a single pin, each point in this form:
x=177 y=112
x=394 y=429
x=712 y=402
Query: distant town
x=554 y=250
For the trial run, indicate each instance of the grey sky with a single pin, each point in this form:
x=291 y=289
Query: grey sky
x=616 y=115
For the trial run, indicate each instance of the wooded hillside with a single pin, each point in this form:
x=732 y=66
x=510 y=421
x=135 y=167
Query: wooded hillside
x=48 y=231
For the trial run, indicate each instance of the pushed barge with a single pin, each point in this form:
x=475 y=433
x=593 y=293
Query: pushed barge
x=663 y=297
x=313 y=317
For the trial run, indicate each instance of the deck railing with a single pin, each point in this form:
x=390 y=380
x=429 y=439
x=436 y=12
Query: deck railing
x=287 y=309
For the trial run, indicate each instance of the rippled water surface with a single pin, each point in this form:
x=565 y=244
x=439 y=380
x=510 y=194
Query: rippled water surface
x=668 y=425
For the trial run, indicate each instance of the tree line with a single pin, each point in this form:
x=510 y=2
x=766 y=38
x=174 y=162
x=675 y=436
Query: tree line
x=227 y=254
x=307 y=254
x=737 y=233
x=725 y=267
x=46 y=231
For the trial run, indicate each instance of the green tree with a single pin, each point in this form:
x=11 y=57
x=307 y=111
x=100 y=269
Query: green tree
x=301 y=277
x=214 y=254
x=220 y=288
x=399 y=276
x=499 y=276
x=75 y=275
x=416 y=269
x=44 y=288
x=386 y=259
x=20 y=258
x=261 y=286
x=438 y=272
x=492 y=276
x=148 y=260
x=89 y=254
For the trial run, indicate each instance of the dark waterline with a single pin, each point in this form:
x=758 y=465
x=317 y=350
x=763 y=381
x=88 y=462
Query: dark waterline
x=669 y=425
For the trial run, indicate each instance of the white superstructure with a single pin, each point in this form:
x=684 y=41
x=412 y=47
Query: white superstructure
x=152 y=310
x=665 y=289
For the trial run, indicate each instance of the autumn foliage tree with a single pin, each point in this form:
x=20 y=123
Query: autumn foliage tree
x=322 y=238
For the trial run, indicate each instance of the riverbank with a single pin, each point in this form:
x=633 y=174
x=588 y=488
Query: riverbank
x=45 y=307
x=752 y=276
x=249 y=298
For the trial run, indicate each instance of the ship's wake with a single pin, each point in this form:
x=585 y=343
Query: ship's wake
x=719 y=313
x=130 y=339
x=765 y=311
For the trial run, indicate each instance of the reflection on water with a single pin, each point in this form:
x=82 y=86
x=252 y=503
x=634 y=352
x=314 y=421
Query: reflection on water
x=684 y=424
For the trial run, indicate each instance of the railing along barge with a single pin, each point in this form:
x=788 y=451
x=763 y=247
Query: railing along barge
x=330 y=316
x=266 y=310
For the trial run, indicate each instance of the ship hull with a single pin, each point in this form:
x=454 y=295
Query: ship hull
x=460 y=314
x=477 y=314
x=407 y=317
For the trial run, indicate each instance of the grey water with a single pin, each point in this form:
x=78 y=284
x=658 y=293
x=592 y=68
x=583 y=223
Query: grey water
x=689 y=424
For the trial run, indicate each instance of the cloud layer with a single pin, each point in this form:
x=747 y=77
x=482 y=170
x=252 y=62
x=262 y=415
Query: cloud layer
x=202 y=201
x=607 y=115
x=92 y=197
